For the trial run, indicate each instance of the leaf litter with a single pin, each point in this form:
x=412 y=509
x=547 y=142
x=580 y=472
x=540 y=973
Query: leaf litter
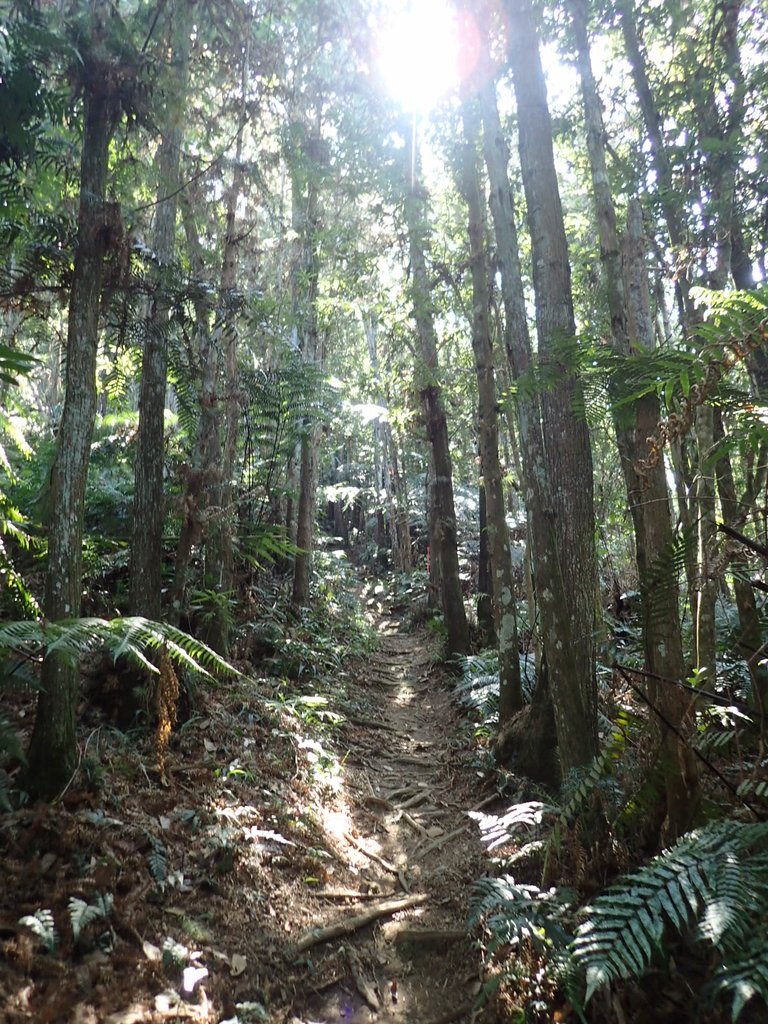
x=251 y=887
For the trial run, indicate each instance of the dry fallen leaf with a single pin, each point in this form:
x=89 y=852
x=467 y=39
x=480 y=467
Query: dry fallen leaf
x=151 y=952
x=238 y=963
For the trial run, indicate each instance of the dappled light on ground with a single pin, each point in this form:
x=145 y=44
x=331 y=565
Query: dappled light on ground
x=303 y=857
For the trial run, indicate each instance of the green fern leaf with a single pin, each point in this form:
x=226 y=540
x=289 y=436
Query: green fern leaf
x=716 y=877
x=41 y=923
x=81 y=913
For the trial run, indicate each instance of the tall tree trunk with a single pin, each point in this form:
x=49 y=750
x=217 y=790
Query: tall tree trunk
x=305 y=292
x=146 y=567
x=203 y=476
x=632 y=331
x=444 y=549
x=220 y=463
x=502 y=580
x=53 y=749
x=704 y=589
x=548 y=580
x=749 y=643
x=485 y=620
x=567 y=451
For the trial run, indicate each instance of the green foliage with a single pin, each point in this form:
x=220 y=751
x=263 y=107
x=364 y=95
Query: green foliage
x=42 y=925
x=478 y=684
x=14 y=364
x=280 y=405
x=158 y=862
x=710 y=888
x=83 y=914
x=712 y=882
x=514 y=913
x=131 y=637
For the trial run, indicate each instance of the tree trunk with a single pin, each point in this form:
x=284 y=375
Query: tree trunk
x=220 y=461
x=146 y=568
x=305 y=291
x=444 y=549
x=749 y=643
x=53 y=749
x=632 y=331
x=567 y=451
x=484 y=587
x=547 y=577
x=403 y=554
x=502 y=580
x=204 y=476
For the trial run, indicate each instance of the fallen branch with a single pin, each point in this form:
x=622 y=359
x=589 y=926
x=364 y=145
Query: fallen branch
x=347 y=894
x=369 y=853
x=426 y=850
x=352 y=924
x=415 y=800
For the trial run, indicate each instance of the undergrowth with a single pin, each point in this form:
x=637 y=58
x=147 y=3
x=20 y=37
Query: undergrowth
x=574 y=906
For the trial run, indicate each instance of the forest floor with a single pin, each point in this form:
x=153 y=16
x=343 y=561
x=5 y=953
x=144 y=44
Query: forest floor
x=242 y=884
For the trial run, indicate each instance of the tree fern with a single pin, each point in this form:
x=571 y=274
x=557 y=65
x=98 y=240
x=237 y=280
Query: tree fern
x=713 y=884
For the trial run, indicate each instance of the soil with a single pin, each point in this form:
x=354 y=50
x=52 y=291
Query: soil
x=242 y=884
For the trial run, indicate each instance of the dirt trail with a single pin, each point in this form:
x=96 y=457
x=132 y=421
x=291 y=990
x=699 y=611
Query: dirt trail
x=219 y=878
x=402 y=823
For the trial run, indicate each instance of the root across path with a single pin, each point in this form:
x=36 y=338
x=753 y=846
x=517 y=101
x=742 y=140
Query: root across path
x=391 y=945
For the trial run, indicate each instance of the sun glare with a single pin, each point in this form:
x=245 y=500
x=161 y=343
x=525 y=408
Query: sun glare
x=417 y=52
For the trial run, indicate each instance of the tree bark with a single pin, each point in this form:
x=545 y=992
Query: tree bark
x=632 y=330
x=53 y=749
x=146 y=567
x=444 y=550
x=567 y=451
x=502 y=579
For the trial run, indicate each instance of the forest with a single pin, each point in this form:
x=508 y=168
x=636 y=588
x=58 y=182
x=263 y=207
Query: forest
x=383 y=511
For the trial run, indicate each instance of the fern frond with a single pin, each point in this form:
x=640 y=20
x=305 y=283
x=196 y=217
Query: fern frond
x=497 y=829
x=158 y=861
x=131 y=637
x=514 y=913
x=41 y=923
x=743 y=975
x=81 y=913
x=716 y=877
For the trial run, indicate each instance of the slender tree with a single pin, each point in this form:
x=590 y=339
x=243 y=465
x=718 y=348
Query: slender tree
x=102 y=76
x=502 y=578
x=148 y=507
x=628 y=300
x=305 y=194
x=444 y=551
